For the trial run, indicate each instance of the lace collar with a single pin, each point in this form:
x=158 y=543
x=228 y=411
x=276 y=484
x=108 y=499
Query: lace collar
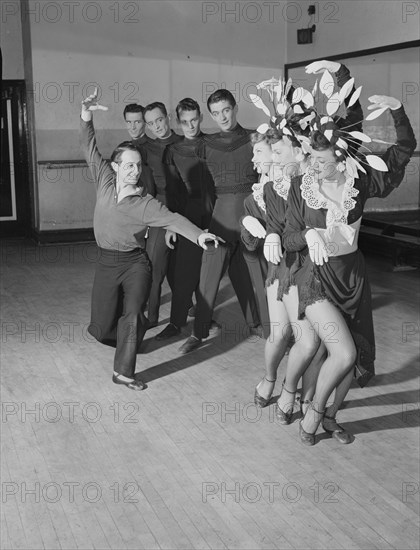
x=315 y=200
x=281 y=186
x=258 y=192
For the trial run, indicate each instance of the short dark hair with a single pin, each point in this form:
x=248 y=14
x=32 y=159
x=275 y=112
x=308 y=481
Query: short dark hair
x=221 y=95
x=119 y=150
x=187 y=104
x=133 y=108
x=320 y=143
x=271 y=136
x=155 y=105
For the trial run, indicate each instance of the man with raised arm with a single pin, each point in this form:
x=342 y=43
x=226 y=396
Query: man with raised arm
x=123 y=212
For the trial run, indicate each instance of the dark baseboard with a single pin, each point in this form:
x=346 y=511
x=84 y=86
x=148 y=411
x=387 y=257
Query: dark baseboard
x=63 y=236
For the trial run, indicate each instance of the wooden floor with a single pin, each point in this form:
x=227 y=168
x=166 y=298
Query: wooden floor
x=190 y=462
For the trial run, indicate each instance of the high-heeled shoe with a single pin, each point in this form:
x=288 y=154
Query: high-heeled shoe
x=261 y=401
x=285 y=417
x=305 y=403
x=335 y=430
x=306 y=437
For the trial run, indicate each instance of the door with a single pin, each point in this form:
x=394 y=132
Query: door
x=15 y=183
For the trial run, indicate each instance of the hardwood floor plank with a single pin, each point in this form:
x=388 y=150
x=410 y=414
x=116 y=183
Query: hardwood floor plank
x=191 y=462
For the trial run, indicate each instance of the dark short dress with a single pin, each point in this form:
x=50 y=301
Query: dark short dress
x=276 y=194
x=343 y=280
x=254 y=205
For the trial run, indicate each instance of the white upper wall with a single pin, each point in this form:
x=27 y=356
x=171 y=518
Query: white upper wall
x=346 y=26
x=148 y=50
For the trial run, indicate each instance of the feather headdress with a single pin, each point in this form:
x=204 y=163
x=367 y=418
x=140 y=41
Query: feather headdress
x=296 y=117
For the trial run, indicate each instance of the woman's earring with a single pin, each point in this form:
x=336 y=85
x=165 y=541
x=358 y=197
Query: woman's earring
x=300 y=156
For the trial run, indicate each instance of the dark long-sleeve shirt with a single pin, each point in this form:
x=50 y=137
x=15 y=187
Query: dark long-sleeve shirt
x=141 y=141
x=185 y=160
x=228 y=156
x=229 y=159
x=166 y=183
x=122 y=225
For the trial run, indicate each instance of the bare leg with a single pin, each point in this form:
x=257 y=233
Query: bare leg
x=329 y=422
x=310 y=377
x=331 y=327
x=301 y=353
x=276 y=343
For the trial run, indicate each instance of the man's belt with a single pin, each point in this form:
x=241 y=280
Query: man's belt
x=239 y=188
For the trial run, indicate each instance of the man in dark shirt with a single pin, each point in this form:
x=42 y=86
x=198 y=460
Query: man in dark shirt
x=123 y=211
x=228 y=155
x=134 y=120
x=167 y=190
x=186 y=158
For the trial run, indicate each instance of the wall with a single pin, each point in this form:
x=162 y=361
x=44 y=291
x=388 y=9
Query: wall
x=11 y=40
x=149 y=49
x=162 y=51
x=350 y=25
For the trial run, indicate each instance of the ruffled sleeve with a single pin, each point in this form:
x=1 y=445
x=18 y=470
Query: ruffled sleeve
x=381 y=184
x=354 y=114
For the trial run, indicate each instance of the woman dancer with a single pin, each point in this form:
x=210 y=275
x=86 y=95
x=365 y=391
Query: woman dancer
x=281 y=292
x=123 y=275
x=324 y=214
x=253 y=222
x=282 y=298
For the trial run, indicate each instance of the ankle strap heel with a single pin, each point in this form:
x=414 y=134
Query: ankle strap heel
x=285 y=417
x=261 y=401
x=306 y=437
x=337 y=432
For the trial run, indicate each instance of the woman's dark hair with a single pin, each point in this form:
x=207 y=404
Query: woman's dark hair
x=119 y=150
x=271 y=136
x=320 y=143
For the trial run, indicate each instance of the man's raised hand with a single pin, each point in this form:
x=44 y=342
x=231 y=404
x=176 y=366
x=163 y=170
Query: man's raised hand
x=91 y=104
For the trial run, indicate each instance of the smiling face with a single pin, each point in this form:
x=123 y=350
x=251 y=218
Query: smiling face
x=128 y=169
x=263 y=157
x=190 y=123
x=224 y=115
x=135 y=124
x=158 y=123
x=324 y=165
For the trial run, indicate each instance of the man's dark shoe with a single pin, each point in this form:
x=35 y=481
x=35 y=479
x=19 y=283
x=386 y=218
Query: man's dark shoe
x=168 y=332
x=190 y=344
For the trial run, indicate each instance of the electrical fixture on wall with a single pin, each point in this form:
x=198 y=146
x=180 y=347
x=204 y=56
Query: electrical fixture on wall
x=304 y=36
